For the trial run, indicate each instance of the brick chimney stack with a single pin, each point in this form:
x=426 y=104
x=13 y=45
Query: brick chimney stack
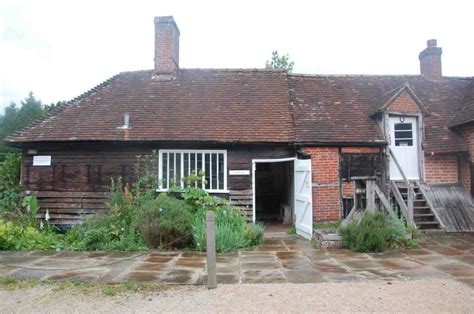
x=430 y=61
x=166 y=45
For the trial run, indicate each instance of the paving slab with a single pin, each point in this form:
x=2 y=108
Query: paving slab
x=182 y=276
x=262 y=266
x=457 y=269
x=400 y=264
x=222 y=279
x=144 y=276
x=304 y=276
x=286 y=259
x=263 y=276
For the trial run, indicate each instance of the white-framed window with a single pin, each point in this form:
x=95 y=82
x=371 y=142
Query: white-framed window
x=175 y=164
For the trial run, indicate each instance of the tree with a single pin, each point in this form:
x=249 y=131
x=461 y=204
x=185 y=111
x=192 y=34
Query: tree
x=14 y=119
x=278 y=62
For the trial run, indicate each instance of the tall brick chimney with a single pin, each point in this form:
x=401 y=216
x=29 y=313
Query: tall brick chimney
x=430 y=61
x=166 y=45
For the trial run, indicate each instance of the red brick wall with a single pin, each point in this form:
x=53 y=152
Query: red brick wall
x=166 y=45
x=441 y=168
x=404 y=103
x=325 y=176
x=360 y=150
x=348 y=188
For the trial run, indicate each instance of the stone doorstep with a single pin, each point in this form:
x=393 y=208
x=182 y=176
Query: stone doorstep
x=327 y=240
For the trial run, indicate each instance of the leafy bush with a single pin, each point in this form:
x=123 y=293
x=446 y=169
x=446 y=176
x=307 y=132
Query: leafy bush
x=114 y=231
x=165 y=222
x=254 y=234
x=13 y=236
x=374 y=232
x=232 y=232
x=10 y=190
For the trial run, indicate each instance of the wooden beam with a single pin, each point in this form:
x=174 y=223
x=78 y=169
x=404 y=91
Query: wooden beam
x=399 y=199
x=370 y=193
x=384 y=201
x=350 y=216
x=411 y=198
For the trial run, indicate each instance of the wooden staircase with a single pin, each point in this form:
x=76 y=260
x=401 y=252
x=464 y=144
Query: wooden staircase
x=423 y=215
x=243 y=200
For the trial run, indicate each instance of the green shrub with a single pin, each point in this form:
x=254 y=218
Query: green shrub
x=14 y=236
x=114 y=231
x=254 y=234
x=10 y=190
x=374 y=232
x=232 y=231
x=165 y=222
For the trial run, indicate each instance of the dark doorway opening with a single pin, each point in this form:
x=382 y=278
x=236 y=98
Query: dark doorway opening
x=274 y=192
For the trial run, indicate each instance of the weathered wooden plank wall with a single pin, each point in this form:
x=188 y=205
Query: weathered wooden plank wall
x=77 y=182
x=453 y=205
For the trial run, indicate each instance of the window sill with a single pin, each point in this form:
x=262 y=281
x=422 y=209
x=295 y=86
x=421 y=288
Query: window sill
x=208 y=191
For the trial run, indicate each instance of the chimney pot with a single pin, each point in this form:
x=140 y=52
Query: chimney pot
x=430 y=61
x=432 y=43
x=166 y=45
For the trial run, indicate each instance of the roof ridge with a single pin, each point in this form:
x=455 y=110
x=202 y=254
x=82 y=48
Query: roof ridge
x=376 y=76
x=215 y=70
x=61 y=107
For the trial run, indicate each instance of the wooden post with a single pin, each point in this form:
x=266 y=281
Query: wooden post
x=211 y=249
x=410 y=201
x=370 y=193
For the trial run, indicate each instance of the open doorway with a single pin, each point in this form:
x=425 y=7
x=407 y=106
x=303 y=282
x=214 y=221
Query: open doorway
x=274 y=192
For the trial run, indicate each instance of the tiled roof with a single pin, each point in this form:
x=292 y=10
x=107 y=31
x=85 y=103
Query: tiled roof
x=389 y=97
x=251 y=106
x=195 y=105
x=332 y=109
x=465 y=114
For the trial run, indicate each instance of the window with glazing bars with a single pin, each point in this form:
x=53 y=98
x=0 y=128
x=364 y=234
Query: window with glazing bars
x=403 y=134
x=174 y=165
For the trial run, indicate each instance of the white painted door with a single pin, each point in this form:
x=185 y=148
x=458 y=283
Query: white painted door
x=404 y=144
x=303 y=198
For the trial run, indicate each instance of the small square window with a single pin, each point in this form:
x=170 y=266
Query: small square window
x=403 y=134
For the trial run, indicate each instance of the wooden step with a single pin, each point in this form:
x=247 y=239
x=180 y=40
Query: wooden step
x=421 y=207
x=424 y=215
x=427 y=224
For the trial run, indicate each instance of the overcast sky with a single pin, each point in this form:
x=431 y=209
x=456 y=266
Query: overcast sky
x=60 y=49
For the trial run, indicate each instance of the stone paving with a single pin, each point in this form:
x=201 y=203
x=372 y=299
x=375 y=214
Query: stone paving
x=278 y=260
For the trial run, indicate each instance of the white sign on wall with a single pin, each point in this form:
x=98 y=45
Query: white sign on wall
x=41 y=160
x=239 y=172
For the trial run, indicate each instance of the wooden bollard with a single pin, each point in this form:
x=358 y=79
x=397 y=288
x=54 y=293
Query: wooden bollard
x=211 y=249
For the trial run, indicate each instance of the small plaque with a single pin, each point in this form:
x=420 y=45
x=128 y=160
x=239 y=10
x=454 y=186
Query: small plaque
x=41 y=160
x=239 y=172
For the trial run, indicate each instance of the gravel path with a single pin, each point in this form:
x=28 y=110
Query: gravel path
x=428 y=296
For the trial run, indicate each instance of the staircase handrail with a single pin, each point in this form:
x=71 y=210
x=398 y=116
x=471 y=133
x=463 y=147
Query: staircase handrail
x=410 y=191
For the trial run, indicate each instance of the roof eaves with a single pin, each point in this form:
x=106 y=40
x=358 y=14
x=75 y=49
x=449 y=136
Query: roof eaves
x=15 y=137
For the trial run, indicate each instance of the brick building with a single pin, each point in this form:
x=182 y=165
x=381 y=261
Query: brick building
x=282 y=147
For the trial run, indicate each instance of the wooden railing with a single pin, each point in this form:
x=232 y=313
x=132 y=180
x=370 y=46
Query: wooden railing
x=406 y=208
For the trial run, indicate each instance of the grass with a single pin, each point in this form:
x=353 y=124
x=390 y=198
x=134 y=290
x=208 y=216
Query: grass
x=330 y=225
x=84 y=288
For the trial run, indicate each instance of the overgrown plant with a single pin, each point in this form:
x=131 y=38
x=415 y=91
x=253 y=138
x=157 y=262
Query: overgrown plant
x=165 y=222
x=10 y=190
x=232 y=232
x=374 y=232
